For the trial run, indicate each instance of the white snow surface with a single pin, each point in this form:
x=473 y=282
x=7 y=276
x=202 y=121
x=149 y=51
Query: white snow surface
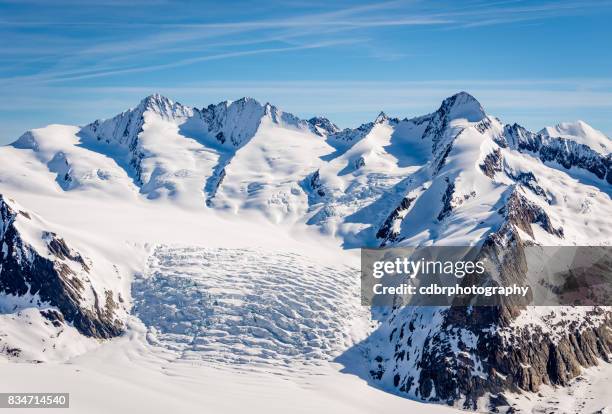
x=128 y=375
x=587 y=393
x=248 y=308
x=582 y=133
x=166 y=210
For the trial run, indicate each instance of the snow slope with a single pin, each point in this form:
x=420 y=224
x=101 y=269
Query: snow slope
x=231 y=227
x=143 y=380
x=582 y=133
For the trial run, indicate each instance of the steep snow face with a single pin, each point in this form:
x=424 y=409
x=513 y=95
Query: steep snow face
x=124 y=128
x=462 y=106
x=243 y=155
x=582 y=133
x=455 y=165
x=486 y=183
x=454 y=201
x=233 y=124
x=147 y=143
x=52 y=288
x=264 y=175
x=271 y=159
x=471 y=184
x=323 y=126
x=359 y=178
x=485 y=193
x=178 y=153
x=342 y=139
x=473 y=168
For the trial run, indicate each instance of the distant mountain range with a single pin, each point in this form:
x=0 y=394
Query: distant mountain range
x=456 y=176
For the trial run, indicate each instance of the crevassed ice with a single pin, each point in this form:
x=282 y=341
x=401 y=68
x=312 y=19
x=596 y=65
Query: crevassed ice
x=245 y=308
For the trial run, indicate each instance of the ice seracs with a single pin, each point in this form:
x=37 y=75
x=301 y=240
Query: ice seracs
x=283 y=311
x=456 y=176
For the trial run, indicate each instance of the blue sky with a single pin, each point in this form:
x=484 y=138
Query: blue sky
x=532 y=62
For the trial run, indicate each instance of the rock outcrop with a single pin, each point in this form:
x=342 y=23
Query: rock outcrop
x=58 y=277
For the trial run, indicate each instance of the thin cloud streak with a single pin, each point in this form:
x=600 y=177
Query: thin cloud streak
x=311 y=29
x=45 y=60
x=351 y=96
x=78 y=76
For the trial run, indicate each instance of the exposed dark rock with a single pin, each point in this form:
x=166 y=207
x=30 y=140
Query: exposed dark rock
x=359 y=163
x=566 y=152
x=124 y=130
x=319 y=124
x=313 y=187
x=213 y=184
x=492 y=163
x=483 y=125
x=220 y=137
x=386 y=232
x=470 y=352
x=441 y=159
x=10 y=351
x=55 y=317
x=58 y=247
x=475 y=351
x=217 y=119
x=25 y=271
x=528 y=180
x=521 y=213
x=447 y=199
x=351 y=135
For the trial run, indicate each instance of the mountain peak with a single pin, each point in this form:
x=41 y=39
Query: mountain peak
x=164 y=107
x=155 y=99
x=577 y=128
x=582 y=133
x=382 y=117
x=323 y=126
x=463 y=105
x=247 y=101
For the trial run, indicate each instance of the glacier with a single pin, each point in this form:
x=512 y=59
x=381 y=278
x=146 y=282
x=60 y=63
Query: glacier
x=160 y=201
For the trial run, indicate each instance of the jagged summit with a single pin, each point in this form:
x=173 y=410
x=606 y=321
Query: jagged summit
x=233 y=123
x=323 y=126
x=244 y=102
x=167 y=172
x=462 y=105
x=382 y=117
x=164 y=107
x=155 y=98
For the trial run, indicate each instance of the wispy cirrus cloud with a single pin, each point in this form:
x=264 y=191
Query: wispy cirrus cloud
x=115 y=53
x=68 y=61
x=183 y=62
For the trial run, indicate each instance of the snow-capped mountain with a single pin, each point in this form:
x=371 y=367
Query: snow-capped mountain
x=456 y=176
x=47 y=283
